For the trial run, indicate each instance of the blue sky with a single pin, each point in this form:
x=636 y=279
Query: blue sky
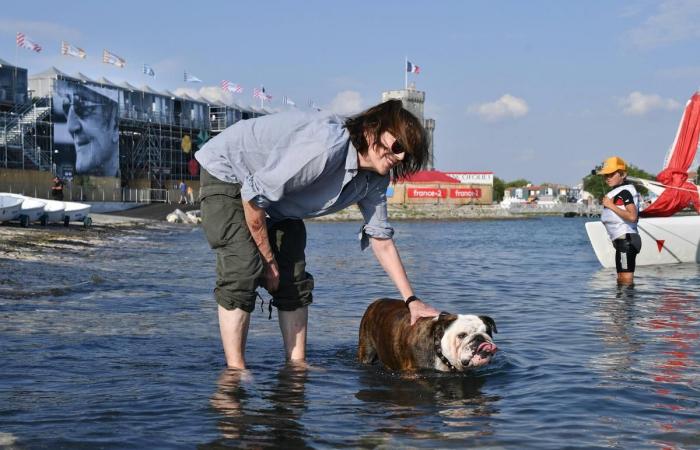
x=542 y=90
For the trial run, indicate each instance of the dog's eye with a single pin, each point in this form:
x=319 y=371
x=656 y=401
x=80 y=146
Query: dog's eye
x=461 y=336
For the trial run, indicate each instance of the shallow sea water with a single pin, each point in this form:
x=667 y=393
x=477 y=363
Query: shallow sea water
x=121 y=350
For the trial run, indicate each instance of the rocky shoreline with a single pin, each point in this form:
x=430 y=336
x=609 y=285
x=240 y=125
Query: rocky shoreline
x=429 y=212
x=57 y=242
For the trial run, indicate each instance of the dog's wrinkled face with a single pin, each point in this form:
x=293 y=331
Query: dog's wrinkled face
x=468 y=341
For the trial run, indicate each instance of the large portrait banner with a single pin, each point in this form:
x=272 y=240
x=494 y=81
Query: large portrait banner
x=86 y=128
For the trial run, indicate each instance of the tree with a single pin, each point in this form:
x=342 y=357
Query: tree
x=498 y=189
x=596 y=186
x=520 y=182
x=500 y=186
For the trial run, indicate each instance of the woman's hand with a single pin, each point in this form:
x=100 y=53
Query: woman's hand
x=419 y=309
x=272 y=276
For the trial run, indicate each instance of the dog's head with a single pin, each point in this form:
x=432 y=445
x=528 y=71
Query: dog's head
x=467 y=340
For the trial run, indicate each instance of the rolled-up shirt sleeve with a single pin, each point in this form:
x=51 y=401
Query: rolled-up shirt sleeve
x=374 y=211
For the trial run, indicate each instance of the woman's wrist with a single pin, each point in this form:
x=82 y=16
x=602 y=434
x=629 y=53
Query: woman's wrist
x=410 y=299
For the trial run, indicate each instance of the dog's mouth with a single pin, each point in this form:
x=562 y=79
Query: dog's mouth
x=482 y=352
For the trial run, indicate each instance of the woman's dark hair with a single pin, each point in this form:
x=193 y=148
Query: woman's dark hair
x=405 y=127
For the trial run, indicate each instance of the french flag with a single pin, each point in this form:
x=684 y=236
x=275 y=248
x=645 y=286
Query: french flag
x=412 y=68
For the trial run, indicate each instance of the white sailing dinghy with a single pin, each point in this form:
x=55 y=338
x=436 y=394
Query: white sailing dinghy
x=665 y=239
x=10 y=207
x=53 y=211
x=76 y=212
x=32 y=209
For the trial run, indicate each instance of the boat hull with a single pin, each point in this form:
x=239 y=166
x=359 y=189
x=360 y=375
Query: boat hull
x=32 y=208
x=76 y=211
x=54 y=211
x=10 y=207
x=665 y=240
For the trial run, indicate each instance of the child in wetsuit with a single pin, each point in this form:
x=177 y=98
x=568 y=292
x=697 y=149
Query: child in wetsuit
x=620 y=216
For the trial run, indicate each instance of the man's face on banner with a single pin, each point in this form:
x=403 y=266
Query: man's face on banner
x=91 y=120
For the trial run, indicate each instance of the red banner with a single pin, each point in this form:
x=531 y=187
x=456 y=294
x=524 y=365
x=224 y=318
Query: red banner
x=427 y=192
x=465 y=193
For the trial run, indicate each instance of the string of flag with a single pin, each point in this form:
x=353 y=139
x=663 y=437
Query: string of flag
x=148 y=70
x=261 y=94
x=24 y=42
x=71 y=50
x=112 y=58
x=109 y=57
x=189 y=78
x=233 y=88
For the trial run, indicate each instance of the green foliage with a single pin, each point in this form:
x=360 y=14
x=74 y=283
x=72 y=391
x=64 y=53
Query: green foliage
x=498 y=189
x=595 y=184
x=520 y=182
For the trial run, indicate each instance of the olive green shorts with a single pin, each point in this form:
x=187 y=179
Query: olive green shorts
x=239 y=268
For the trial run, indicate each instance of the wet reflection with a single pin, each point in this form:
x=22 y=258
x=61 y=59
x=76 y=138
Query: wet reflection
x=255 y=413
x=675 y=362
x=618 y=314
x=651 y=339
x=411 y=404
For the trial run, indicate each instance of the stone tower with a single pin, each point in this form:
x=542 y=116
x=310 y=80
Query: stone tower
x=414 y=101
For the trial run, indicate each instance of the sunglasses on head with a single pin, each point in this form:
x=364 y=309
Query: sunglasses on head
x=81 y=107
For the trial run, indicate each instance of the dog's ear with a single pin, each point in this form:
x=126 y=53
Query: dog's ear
x=446 y=318
x=490 y=325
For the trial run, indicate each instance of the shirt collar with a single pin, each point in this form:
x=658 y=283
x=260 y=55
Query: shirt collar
x=351 y=159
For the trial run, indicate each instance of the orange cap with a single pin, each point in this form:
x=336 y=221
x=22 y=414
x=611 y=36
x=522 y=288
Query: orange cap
x=612 y=165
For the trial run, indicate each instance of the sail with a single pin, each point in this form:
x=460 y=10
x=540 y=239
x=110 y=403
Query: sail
x=679 y=193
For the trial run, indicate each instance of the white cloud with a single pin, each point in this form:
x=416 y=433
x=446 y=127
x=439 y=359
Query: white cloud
x=637 y=103
x=346 y=103
x=507 y=106
x=675 y=20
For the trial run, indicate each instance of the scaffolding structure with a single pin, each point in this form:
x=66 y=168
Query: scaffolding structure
x=152 y=126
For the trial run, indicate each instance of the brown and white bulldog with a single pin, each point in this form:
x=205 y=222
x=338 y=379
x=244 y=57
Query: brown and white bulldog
x=447 y=343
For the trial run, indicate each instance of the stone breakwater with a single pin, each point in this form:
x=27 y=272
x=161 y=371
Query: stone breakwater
x=430 y=212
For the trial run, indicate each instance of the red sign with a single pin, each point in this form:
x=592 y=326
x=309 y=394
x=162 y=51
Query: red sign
x=465 y=193
x=426 y=192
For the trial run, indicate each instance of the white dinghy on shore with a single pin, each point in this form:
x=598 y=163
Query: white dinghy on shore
x=77 y=212
x=32 y=209
x=10 y=207
x=53 y=212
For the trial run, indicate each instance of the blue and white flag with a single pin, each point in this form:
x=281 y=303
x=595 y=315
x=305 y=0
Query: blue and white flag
x=148 y=70
x=189 y=78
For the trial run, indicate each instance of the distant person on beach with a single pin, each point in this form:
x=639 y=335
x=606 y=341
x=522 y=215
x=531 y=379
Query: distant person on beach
x=92 y=120
x=57 y=189
x=183 y=193
x=620 y=216
x=261 y=177
x=190 y=195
